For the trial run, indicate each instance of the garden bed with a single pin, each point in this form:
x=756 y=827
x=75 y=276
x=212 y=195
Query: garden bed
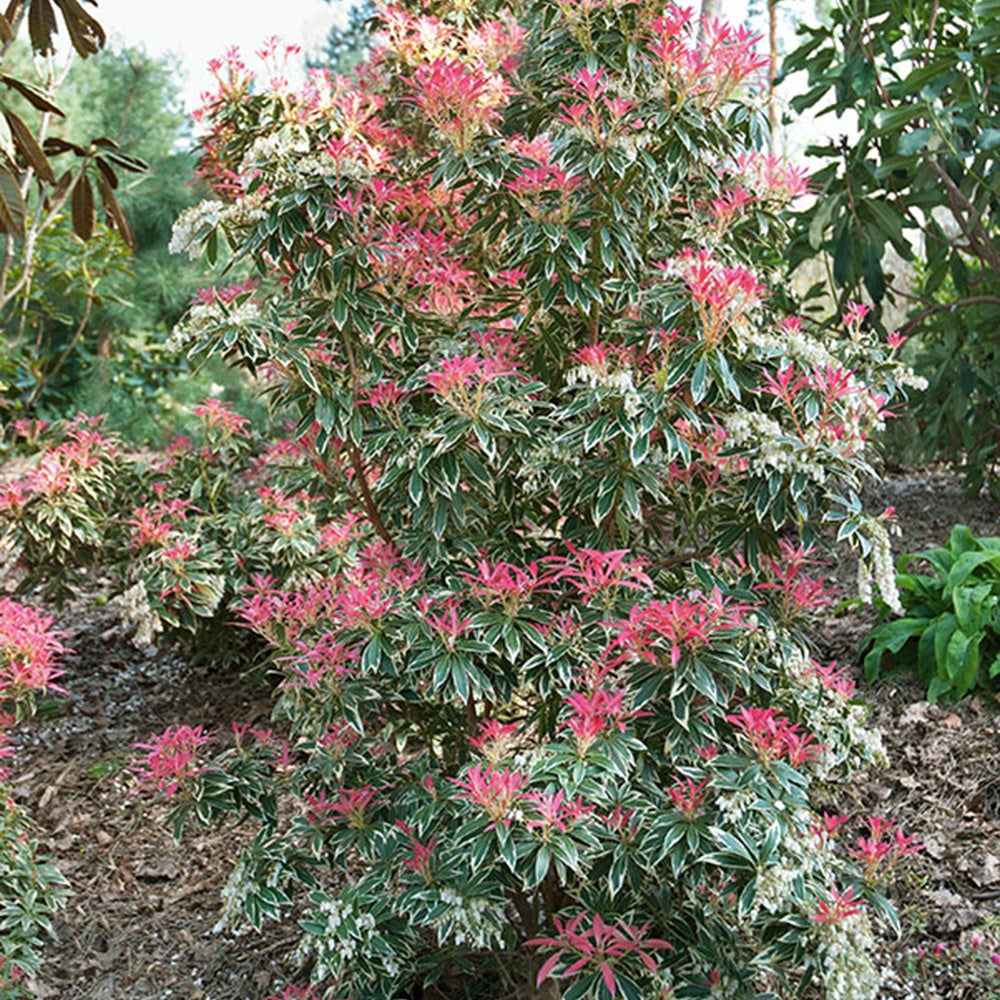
x=140 y=922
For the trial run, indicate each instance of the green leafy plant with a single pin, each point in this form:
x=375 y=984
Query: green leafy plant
x=950 y=630
x=543 y=701
x=907 y=208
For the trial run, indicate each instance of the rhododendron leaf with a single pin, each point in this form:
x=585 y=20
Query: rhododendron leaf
x=12 y=207
x=86 y=34
x=41 y=26
x=29 y=147
x=84 y=208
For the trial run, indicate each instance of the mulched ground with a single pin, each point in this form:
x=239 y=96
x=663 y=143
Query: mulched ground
x=140 y=922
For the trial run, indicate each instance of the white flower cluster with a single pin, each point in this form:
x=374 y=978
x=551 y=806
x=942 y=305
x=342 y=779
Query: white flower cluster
x=190 y=226
x=878 y=568
x=842 y=727
x=203 y=316
x=848 y=971
x=347 y=934
x=733 y=806
x=195 y=223
x=473 y=921
x=618 y=382
x=540 y=461
x=271 y=149
x=792 y=345
x=799 y=857
x=908 y=377
x=775 y=888
x=135 y=610
x=775 y=451
x=285 y=158
x=238 y=886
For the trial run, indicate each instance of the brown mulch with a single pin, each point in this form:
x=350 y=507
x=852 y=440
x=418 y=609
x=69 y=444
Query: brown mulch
x=140 y=923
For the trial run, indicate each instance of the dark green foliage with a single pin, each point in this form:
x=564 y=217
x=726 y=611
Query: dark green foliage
x=920 y=178
x=950 y=633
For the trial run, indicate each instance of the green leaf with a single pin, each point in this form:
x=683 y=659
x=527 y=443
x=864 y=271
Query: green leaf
x=915 y=141
x=843 y=255
x=965 y=565
x=972 y=607
x=639 y=449
x=699 y=380
x=947 y=626
x=988 y=139
x=961 y=664
x=871 y=270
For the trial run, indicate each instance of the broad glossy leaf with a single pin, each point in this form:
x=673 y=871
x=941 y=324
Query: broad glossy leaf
x=85 y=32
x=41 y=26
x=36 y=97
x=29 y=148
x=12 y=207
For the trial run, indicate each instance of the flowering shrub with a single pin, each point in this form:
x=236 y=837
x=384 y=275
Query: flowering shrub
x=30 y=887
x=52 y=521
x=178 y=538
x=547 y=706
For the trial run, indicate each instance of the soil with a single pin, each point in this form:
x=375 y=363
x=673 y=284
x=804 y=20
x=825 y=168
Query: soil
x=140 y=923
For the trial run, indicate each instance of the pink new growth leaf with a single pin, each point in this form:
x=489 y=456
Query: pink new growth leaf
x=594 y=572
x=773 y=737
x=496 y=791
x=171 y=759
x=597 y=945
x=671 y=628
x=838 y=906
x=883 y=847
x=29 y=651
x=688 y=797
x=215 y=414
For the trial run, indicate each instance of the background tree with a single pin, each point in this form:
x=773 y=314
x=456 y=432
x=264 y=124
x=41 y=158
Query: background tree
x=921 y=80
x=346 y=47
x=87 y=330
x=50 y=183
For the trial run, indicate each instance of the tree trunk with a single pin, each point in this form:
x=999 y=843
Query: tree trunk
x=710 y=10
x=772 y=70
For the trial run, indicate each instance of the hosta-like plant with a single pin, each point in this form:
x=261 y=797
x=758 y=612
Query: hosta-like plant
x=551 y=715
